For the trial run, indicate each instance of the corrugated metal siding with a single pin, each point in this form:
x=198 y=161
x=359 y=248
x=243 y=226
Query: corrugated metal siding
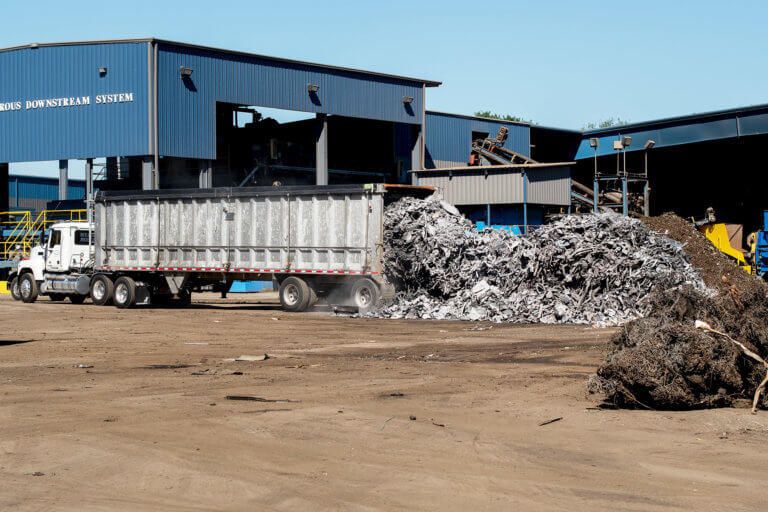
x=449 y=137
x=474 y=187
x=186 y=109
x=35 y=188
x=681 y=130
x=94 y=130
x=549 y=186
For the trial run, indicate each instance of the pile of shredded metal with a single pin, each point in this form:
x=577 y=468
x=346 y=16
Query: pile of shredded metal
x=663 y=361
x=596 y=269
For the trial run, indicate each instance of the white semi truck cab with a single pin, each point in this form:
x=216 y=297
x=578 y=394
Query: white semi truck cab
x=59 y=268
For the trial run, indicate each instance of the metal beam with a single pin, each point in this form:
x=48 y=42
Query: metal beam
x=321 y=150
x=63 y=180
x=89 y=189
x=417 y=140
x=596 y=193
x=525 y=202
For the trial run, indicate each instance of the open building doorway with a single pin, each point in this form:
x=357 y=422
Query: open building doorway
x=258 y=146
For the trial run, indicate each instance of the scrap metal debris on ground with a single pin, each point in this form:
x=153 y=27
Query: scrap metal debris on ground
x=595 y=269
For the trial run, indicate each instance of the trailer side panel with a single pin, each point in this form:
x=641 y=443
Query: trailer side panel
x=324 y=231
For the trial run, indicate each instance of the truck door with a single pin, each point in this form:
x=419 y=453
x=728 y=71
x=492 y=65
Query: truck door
x=53 y=259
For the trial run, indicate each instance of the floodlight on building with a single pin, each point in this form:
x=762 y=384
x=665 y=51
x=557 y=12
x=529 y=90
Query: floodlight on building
x=649 y=144
x=594 y=142
x=186 y=72
x=312 y=88
x=407 y=100
x=626 y=141
x=102 y=71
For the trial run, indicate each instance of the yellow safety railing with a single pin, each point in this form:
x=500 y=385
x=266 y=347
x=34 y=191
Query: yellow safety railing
x=23 y=229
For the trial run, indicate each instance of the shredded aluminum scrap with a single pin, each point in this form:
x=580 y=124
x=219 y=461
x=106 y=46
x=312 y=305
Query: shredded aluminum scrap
x=595 y=269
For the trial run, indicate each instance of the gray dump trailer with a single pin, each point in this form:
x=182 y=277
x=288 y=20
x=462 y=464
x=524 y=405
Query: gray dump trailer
x=160 y=246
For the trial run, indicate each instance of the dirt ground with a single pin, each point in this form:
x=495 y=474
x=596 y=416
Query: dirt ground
x=362 y=414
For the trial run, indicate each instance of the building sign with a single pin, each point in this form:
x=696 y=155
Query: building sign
x=77 y=101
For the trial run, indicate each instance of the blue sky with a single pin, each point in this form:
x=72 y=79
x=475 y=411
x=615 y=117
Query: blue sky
x=559 y=63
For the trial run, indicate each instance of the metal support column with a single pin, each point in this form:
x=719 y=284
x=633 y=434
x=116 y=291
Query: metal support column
x=4 y=188
x=624 y=198
x=321 y=150
x=488 y=215
x=416 y=151
x=63 y=180
x=148 y=174
x=206 y=174
x=89 y=189
x=525 y=202
x=646 y=199
x=596 y=190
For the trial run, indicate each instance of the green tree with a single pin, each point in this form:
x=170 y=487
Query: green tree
x=605 y=123
x=506 y=117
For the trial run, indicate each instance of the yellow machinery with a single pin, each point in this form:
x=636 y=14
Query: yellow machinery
x=724 y=237
x=721 y=239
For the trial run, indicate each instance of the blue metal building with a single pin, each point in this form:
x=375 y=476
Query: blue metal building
x=34 y=192
x=160 y=113
x=449 y=137
x=713 y=159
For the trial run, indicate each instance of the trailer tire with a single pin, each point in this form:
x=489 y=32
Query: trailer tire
x=28 y=288
x=77 y=299
x=14 y=285
x=295 y=294
x=125 y=292
x=102 y=290
x=184 y=298
x=364 y=294
x=57 y=297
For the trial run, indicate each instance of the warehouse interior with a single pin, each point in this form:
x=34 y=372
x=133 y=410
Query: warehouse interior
x=254 y=149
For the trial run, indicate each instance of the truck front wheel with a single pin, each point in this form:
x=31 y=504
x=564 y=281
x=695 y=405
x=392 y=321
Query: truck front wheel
x=15 y=289
x=102 y=290
x=125 y=292
x=294 y=294
x=28 y=288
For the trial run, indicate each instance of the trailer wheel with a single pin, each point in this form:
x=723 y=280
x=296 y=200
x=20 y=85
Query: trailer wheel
x=365 y=295
x=125 y=292
x=102 y=290
x=28 y=288
x=15 y=289
x=294 y=294
x=56 y=297
x=77 y=299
